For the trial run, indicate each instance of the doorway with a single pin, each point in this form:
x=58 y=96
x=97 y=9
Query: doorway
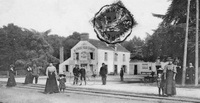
x=115 y=69
x=135 y=69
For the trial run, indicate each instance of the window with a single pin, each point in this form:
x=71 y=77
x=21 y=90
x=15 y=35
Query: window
x=124 y=58
x=66 y=68
x=77 y=56
x=116 y=55
x=105 y=56
x=91 y=55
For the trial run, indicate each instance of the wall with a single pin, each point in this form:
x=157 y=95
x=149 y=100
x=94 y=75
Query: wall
x=109 y=62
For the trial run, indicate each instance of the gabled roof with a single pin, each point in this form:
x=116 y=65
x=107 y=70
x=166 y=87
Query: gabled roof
x=102 y=45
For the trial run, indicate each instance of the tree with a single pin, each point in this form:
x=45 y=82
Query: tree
x=69 y=43
x=22 y=47
x=135 y=47
x=176 y=13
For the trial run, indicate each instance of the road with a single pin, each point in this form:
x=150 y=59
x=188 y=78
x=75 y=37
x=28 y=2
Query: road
x=33 y=94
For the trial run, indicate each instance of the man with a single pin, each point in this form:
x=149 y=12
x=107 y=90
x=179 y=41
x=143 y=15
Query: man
x=36 y=73
x=76 y=74
x=103 y=73
x=82 y=73
x=122 y=73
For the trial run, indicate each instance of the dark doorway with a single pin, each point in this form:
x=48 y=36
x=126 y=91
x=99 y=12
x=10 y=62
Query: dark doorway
x=135 y=70
x=66 y=68
x=115 y=69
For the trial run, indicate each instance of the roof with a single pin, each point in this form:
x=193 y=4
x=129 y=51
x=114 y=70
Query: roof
x=102 y=45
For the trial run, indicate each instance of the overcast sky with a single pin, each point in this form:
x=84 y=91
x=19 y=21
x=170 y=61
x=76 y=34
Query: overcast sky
x=64 y=17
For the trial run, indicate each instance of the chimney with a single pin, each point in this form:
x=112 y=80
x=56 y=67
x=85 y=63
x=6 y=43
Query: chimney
x=61 y=54
x=84 y=37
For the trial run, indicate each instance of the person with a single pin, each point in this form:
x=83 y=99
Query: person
x=36 y=73
x=82 y=74
x=62 y=81
x=169 y=77
x=122 y=73
x=76 y=74
x=28 y=78
x=158 y=65
x=103 y=73
x=11 y=79
x=160 y=82
x=190 y=73
x=51 y=83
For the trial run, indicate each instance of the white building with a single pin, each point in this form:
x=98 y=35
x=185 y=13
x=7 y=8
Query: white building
x=92 y=53
x=140 y=67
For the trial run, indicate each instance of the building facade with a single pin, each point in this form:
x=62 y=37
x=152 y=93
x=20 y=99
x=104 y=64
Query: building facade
x=92 y=53
x=140 y=67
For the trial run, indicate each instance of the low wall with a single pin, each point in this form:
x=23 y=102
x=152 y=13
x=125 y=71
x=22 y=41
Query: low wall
x=18 y=72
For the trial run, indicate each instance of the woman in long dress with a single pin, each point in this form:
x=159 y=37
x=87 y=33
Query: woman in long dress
x=51 y=83
x=169 y=76
x=11 y=79
x=28 y=78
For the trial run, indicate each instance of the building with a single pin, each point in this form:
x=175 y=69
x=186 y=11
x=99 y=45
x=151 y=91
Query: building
x=141 y=67
x=92 y=53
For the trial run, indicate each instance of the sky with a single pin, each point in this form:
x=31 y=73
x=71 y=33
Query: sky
x=64 y=17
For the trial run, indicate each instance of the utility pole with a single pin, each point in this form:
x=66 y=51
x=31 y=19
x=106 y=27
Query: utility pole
x=197 y=44
x=186 y=42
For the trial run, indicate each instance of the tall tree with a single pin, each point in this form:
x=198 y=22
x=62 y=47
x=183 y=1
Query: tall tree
x=69 y=43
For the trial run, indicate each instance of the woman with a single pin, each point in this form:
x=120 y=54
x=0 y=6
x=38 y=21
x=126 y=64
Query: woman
x=51 y=83
x=169 y=76
x=28 y=78
x=11 y=79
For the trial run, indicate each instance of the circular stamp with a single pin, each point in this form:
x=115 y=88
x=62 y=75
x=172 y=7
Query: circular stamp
x=113 y=23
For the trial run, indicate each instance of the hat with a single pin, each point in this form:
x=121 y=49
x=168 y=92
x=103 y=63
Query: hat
x=62 y=75
x=11 y=65
x=169 y=59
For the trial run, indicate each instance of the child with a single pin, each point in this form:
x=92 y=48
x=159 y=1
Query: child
x=62 y=81
x=160 y=81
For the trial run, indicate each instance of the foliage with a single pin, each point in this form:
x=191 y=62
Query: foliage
x=70 y=42
x=23 y=47
x=135 y=47
x=176 y=13
x=168 y=39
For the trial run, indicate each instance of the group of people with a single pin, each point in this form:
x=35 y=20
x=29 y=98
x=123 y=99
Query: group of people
x=32 y=73
x=79 y=73
x=166 y=77
x=82 y=74
x=51 y=82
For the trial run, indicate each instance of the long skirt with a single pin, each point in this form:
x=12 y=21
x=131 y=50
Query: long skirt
x=11 y=80
x=28 y=78
x=170 y=86
x=51 y=84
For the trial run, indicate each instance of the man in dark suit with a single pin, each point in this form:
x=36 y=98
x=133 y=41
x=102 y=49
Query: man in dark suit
x=103 y=73
x=82 y=72
x=35 y=73
x=76 y=74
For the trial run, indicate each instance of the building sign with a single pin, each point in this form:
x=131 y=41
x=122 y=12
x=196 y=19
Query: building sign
x=144 y=66
x=84 y=48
